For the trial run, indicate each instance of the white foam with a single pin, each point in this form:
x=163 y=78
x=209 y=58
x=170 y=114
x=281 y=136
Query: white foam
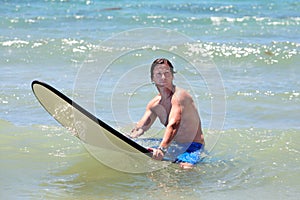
x=14 y=42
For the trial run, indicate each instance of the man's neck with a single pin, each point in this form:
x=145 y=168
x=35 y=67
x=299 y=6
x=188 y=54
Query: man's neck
x=166 y=92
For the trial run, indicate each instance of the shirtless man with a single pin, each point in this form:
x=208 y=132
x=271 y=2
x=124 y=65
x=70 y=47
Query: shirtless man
x=176 y=110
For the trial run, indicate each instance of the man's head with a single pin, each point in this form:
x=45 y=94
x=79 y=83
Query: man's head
x=162 y=72
x=161 y=61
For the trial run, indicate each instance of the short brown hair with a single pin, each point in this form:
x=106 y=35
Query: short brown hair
x=160 y=61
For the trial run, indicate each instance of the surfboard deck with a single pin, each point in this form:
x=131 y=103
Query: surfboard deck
x=82 y=124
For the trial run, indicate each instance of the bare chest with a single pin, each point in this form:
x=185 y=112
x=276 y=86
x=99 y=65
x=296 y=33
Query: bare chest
x=162 y=110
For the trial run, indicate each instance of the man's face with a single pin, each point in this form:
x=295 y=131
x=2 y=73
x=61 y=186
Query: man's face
x=162 y=76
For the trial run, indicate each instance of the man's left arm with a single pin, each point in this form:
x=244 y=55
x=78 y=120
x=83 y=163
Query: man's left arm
x=172 y=126
x=171 y=130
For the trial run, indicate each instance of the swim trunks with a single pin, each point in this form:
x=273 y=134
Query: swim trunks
x=191 y=155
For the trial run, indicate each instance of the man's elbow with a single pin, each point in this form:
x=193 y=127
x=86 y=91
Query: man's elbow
x=174 y=125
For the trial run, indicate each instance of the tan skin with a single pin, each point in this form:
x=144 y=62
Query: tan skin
x=175 y=108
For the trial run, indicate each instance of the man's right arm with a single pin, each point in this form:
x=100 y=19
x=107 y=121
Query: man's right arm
x=145 y=123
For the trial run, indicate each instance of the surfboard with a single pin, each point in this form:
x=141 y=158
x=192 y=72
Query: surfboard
x=103 y=141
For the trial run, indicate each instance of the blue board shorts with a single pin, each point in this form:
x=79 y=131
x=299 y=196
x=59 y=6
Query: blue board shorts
x=191 y=155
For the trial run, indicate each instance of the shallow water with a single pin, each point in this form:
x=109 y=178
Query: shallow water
x=46 y=162
x=246 y=87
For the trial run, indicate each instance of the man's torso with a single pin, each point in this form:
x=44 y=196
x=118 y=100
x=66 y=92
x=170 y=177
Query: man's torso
x=189 y=129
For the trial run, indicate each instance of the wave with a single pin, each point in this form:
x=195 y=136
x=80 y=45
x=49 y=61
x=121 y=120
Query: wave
x=75 y=49
x=216 y=21
x=235 y=21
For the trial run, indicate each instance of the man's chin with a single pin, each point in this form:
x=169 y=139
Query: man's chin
x=163 y=85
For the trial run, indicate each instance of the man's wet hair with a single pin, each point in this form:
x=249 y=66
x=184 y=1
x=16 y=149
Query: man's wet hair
x=160 y=61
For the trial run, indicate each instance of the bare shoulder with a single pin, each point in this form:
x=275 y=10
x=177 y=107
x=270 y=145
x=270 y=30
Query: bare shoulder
x=182 y=96
x=154 y=102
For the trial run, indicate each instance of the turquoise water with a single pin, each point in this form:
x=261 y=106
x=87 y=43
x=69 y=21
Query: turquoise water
x=99 y=53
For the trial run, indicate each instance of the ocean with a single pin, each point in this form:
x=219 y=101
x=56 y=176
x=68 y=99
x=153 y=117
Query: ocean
x=238 y=59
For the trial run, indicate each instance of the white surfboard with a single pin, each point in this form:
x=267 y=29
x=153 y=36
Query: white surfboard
x=106 y=144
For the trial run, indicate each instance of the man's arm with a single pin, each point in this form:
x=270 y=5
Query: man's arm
x=173 y=124
x=145 y=123
x=171 y=130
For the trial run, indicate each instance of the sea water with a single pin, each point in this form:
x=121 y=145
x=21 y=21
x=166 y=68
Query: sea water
x=246 y=86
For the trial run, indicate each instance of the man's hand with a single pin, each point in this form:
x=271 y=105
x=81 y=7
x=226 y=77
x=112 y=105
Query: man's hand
x=136 y=132
x=158 y=154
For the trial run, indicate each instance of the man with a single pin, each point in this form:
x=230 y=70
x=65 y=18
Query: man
x=176 y=110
